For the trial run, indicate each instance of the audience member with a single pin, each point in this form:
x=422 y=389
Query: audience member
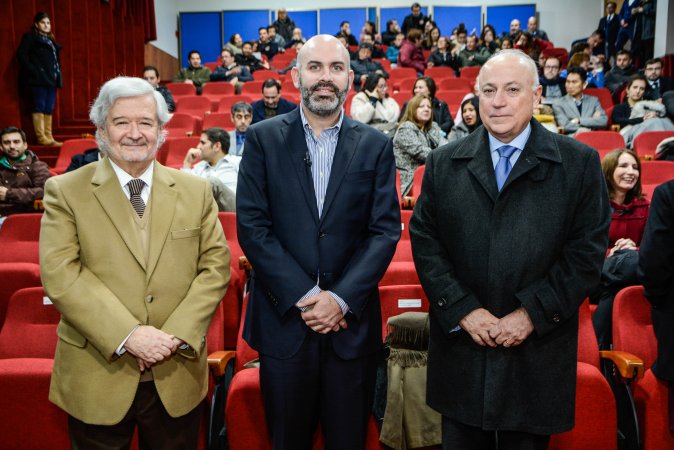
x=622 y=170
x=38 y=56
x=368 y=38
x=430 y=41
x=345 y=30
x=506 y=44
x=610 y=24
x=473 y=55
x=373 y=106
x=276 y=38
x=470 y=120
x=195 y=73
x=657 y=84
x=575 y=111
x=528 y=45
x=297 y=39
x=231 y=72
x=627 y=24
x=444 y=56
x=22 y=174
x=488 y=39
x=392 y=30
x=242 y=116
x=271 y=104
x=151 y=75
x=620 y=73
x=285 y=26
x=645 y=29
x=246 y=58
x=441 y=115
x=514 y=33
x=534 y=31
x=414 y=21
x=393 y=49
x=369 y=27
x=656 y=273
x=265 y=46
x=82 y=159
x=553 y=84
x=411 y=54
x=581 y=60
x=235 y=43
x=364 y=67
x=636 y=115
x=416 y=137
x=216 y=165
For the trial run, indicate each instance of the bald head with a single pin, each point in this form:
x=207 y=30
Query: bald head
x=320 y=43
x=510 y=56
x=514 y=26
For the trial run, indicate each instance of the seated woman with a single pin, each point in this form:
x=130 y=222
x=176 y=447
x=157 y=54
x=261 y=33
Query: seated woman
x=373 y=106
x=622 y=170
x=634 y=115
x=441 y=114
x=431 y=39
x=417 y=135
x=445 y=55
x=470 y=119
x=595 y=76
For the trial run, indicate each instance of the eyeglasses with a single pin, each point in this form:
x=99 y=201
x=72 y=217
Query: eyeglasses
x=551 y=67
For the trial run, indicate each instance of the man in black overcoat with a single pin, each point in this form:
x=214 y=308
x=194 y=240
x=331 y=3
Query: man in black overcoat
x=508 y=236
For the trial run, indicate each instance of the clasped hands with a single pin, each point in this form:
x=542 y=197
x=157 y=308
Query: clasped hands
x=323 y=314
x=150 y=345
x=488 y=330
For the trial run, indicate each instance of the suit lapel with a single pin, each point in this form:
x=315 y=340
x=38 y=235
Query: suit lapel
x=346 y=148
x=476 y=148
x=164 y=198
x=109 y=194
x=293 y=134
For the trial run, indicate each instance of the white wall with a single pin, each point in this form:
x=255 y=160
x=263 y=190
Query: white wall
x=563 y=20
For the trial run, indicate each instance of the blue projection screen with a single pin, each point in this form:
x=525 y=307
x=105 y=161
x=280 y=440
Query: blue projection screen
x=331 y=18
x=501 y=16
x=245 y=23
x=202 y=32
x=449 y=17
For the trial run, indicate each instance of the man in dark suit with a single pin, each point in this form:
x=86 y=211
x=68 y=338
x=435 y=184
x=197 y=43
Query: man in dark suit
x=318 y=218
x=609 y=24
x=657 y=84
x=656 y=273
x=271 y=104
x=508 y=235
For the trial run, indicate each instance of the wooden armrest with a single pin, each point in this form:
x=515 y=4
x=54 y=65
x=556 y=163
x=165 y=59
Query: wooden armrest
x=629 y=366
x=408 y=202
x=38 y=205
x=244 y=264
x=217 y=361
x=615 y=127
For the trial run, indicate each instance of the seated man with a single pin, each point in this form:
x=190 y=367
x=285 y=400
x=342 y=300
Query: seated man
x=576 y=112
x=242 y=116
x=623 y=70
x=657 y=84
x=276 y=38
x=231 y=72
x=271 y=104
x=265 y=45
x=473 y=55
x=246 y=58
x=345 y=30
x=363 y=66
x=553 y=85
x=22 y=174
x=151 y=75
x=195 y=73
x=219 y=167
x=82 y=159
x=368 y=38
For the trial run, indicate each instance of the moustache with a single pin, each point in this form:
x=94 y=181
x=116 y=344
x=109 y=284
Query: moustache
x=323 y=85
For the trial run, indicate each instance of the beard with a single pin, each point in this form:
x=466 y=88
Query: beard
x=322 y=105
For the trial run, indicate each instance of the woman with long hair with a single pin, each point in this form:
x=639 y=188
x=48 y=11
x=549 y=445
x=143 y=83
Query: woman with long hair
x=416 y=137
x=38 y=55
x=445 y=55
x=441 y=114
x=470 y=119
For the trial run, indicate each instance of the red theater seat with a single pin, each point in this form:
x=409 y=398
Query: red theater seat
x=19 y=237
x=601 y=140
x=70 y=148
x=15 y=276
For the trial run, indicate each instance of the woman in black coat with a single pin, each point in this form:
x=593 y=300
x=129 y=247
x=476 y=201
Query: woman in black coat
x=38 y=55
x=441 y=114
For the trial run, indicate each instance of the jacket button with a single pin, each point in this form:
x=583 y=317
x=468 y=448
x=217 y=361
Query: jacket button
x=441 y=302
x=149 y=298
x=556 y=317
x=321 y=235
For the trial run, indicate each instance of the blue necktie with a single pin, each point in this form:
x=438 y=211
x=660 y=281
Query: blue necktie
x=503 y=167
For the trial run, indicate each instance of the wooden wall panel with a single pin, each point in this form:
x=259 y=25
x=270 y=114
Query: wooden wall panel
x=100 y=41
x=165 y=63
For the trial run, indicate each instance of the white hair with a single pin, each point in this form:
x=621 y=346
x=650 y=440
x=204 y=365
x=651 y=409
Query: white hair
x=123 y=87
x=512 y=54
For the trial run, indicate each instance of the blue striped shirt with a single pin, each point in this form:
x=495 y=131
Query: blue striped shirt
x=321 y=154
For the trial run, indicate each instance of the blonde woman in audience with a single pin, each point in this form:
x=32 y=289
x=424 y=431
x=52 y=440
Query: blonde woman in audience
x=416 y=137
x=373 y=106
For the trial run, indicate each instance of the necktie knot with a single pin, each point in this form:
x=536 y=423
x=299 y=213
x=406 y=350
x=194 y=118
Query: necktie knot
x=506 y=151
x=136 y=186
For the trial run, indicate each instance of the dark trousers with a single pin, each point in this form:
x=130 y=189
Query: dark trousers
x=458 y=436
x=316 y=385
x=156 y=429
x=44 y=99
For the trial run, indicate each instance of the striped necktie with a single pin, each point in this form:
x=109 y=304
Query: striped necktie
x=135 y=188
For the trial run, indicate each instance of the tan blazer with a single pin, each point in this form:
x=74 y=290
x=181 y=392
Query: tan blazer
x=93 y=268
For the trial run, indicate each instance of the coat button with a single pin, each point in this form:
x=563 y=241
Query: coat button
x=321 y=234
x=149 y=298
x=556 y=317
x=441 y=302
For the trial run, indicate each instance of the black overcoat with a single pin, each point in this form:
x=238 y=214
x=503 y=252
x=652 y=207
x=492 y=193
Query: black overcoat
x=539 y=243
x=38 y=64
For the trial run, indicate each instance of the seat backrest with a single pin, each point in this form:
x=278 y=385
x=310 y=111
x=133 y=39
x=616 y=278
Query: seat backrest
x=469 y=73
x=193 y=103
x=603 y=94
x=588 y=349
x=632 y=325
x=407 y=85
x=70 y=148
x=401 y=272
x=15 y=276
x=602 y=140
x=403 y=251
x=398 y=299
x=217 y=89
x=438 y=73
x=226 y=102
x=402 y=72
x=181 y=124
x=21 y=228
x=181 y=89
x=455 y=84
x=451 y=97
x=416 y=182
x=645 y=143
x=220 y=120
x=263 y=75
x=244 y=353
x=656 y=172
x=173 y=152
x=29 y=330
x=253 y=88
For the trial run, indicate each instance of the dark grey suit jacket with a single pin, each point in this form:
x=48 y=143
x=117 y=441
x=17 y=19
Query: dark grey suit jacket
x=565 y=109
